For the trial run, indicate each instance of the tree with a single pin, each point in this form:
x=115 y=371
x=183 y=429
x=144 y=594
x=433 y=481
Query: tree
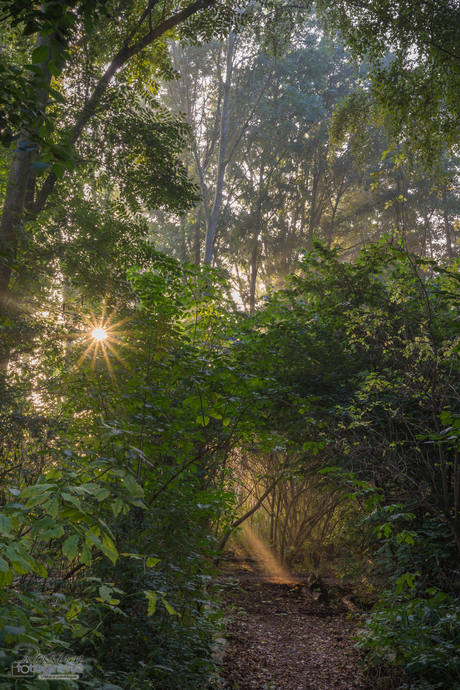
x=411 y=50
x=131 y=30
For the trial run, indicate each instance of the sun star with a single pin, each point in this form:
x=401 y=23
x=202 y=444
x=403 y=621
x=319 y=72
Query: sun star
x=99 y=334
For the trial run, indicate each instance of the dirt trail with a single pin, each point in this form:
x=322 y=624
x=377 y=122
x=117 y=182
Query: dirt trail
x=280 y=639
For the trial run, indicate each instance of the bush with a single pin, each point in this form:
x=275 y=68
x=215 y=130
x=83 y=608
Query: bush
x=419 y=634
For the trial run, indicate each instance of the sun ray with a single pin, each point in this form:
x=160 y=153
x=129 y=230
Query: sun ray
x=110 y=368
x=112 y=349
x=123 y=344
x=104 y=334
x=80 y=361
x=93 y=361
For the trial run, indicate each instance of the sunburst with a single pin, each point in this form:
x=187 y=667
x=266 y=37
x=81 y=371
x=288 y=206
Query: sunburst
x=101 y=336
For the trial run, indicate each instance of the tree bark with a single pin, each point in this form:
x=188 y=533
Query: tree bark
x=448 y=236
x=18 y=189
x=255 y=244
x=19 y=194
x=212 y=218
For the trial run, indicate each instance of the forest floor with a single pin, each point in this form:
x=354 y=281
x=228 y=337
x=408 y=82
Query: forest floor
x=278 y=638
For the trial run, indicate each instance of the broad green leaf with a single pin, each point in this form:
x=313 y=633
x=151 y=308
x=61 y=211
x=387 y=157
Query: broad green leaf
x=151 y=562
x=40 y=54
x=117 y=505
x=5 y=524
x=6 y=578
x=132 y=486
x=106 y=546
x=58 y=170
x=70 y=547
x=73 y=499
x=55 y=71
x=41 y=525
x=101 y=494
x=54 y=533
x=36 y=500
x=13 y=630
x=105 y=593
x=40 y=570
x=85 y=556
x=109 y=548
x=40 y=167
x=52 y=507
x=36 y=490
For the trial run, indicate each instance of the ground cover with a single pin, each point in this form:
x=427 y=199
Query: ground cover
x=281 y=638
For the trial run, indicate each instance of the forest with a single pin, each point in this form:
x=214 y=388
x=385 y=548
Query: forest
x=229 y=344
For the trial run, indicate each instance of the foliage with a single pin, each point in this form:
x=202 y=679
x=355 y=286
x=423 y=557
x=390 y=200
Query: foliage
x=419 y=634
x=414 y=68
x=141 y=449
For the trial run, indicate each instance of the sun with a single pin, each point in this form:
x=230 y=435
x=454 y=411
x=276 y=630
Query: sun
x=99 y=334
x=103 y=336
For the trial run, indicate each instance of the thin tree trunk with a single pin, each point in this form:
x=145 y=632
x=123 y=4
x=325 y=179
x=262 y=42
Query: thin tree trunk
x=450 y=253
x=314 y=194
x=182 y=248
x=211 y=221
x=255 y=243
x=197 y=243
x=247 y=515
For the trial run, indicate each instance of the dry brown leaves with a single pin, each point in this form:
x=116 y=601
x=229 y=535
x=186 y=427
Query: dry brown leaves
x=278 y=639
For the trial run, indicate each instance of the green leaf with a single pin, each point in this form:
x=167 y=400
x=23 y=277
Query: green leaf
x=85 y=556
x=132 y=486
x=105 y=593
x=13 y=630
x=40 y=54
x=40 y=167
x=101 y=494
x=169 y=608
x=36 y=500
x=52 y=507
x=5 y=524
x=110 y=549
x=54 y=70
x=36 y=489
x=4 y=568
x=117 y=505
x=41 y=525
x=70 y=547
x=58 y=170
x=152 y=602
x=151 y=562
x=40 y=570
x=226 y=421
x=54 y=533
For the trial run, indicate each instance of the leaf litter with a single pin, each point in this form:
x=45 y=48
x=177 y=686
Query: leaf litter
x=280 y=638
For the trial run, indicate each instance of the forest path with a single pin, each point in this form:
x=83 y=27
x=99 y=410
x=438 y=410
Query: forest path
x=278 y=639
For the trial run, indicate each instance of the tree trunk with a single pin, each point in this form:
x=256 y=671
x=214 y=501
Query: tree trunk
x=19 y=195
x=314 y=194
x=211 y=220
x=450 y=253
x=255 y=243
